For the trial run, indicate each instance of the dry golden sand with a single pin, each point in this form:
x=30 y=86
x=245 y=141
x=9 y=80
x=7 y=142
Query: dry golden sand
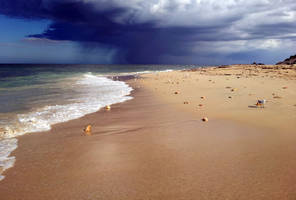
x=231 y=92
x=157 y=147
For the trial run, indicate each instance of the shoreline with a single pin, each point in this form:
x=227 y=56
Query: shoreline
x=10 y=133
x=154 y=146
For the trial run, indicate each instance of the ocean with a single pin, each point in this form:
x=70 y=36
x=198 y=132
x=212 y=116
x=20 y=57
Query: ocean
x=34 y=97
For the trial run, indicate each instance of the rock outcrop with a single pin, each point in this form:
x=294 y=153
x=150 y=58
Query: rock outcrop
x=288 y=61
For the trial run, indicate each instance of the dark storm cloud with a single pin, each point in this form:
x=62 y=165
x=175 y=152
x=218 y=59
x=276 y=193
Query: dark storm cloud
x=136 y=43
x=71 y=11
x=147 y=32
x=275 y=30
x=79 y=21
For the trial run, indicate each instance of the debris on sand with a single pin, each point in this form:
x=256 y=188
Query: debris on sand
x=186 y=102
x=203 y=97
x=205 y=119
x=277 y=97
x=176 y=92
x=233 y=90
x=261 y=103
x=285 y=87
x=87 y=130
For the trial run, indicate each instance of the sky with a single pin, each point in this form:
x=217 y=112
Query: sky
x=204 y=32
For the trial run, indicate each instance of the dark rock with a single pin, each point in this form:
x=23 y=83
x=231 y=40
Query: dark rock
x=288 y=61
x=254 y=63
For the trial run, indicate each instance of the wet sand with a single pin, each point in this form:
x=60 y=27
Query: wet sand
x=155 y=147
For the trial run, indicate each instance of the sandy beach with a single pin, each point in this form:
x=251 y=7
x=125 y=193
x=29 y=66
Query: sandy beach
x=231 y=92
x=156 y=146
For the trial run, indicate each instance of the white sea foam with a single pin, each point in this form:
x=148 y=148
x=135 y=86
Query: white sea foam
x=6 y=147
x=95 y=93
x=148 y=72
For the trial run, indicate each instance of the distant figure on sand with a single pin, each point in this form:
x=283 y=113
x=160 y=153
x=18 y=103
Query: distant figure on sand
x=260 y=103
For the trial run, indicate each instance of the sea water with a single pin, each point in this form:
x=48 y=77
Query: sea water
x=34 y=97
